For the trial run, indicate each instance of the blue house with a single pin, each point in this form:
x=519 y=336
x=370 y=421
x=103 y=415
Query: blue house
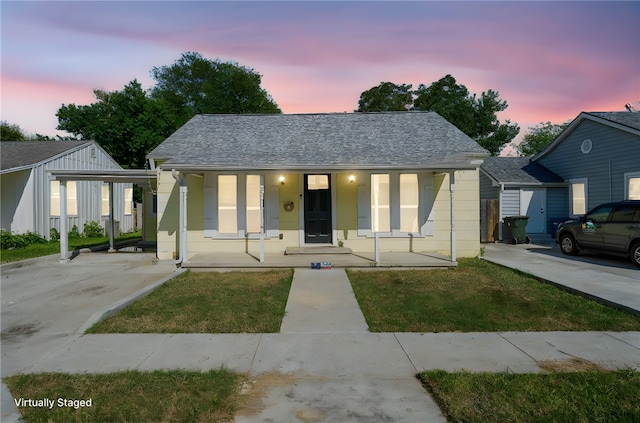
x=595 y=160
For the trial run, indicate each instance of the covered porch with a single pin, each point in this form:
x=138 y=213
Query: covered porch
x=303 y=257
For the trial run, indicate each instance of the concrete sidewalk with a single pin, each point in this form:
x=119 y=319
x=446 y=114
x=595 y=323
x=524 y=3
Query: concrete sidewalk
x=325 y=365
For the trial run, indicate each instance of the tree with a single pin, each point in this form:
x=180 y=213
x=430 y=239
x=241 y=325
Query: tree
x=386 y=97
x=9 y=132
x=539 y=137
x=127 y=123
x=473 y=115
x=195 y=85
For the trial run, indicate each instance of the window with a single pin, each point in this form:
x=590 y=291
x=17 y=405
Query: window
x=253 y=203
x=227 y=204
x=105 y=199
x=578 y=192
x=128 y=201
x=601 y=214
x=626 y=213
x=72 y=199
x=409 y=200
x=632 y=186
x=380 y=211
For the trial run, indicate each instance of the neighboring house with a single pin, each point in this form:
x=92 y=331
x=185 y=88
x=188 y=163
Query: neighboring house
x=598 y=155
x=522 y=188
x=595 y=160
x=228 y=183
x=31 y=200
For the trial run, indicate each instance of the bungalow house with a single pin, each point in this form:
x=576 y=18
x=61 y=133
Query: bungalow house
x=367 y=181
x=31 y=199
x=595 y=160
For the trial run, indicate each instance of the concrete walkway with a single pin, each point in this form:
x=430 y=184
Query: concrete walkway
x=322 y=301
x=325 y=366
x=609 y=280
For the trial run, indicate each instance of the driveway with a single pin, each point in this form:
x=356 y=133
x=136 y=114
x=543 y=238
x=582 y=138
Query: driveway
x=46 y=303
x=610 y=280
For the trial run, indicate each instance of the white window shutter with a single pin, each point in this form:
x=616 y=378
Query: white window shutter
x=210 y=205
x=364 y=206
x=271 y=206
x=425 y=182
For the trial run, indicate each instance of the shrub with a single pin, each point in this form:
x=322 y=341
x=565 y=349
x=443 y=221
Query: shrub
x=75 y=234
x=9 y=240
x=93 y=230
x=54 y=235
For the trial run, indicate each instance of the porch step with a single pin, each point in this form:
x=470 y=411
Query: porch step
x=290 y=251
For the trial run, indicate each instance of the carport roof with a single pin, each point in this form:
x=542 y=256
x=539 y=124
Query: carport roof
x=104 y=175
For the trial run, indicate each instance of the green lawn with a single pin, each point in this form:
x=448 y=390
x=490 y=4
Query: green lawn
x=588 y=396
x=200 y=302
x=39 y=250
x=159 y=396
x=477 y=296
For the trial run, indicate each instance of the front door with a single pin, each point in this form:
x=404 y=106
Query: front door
x=532 y=204
x=317 y=209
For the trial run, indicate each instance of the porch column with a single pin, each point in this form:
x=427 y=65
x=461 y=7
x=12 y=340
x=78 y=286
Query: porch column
x=262 y=229
x=64 y=236
x=452 y=186
x=112 y=224
x=183 y=219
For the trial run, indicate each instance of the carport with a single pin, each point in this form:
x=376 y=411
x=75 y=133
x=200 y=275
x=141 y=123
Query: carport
x=135 y=176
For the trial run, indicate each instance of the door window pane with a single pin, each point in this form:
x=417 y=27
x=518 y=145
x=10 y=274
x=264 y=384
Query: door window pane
x=317 y=182
x=253 y=203
x=409 y=202
x=380 y=217
x=227 y=204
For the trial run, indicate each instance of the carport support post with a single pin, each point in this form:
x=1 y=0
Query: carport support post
x=111 y=222
x=452 y=188
x=64 y=231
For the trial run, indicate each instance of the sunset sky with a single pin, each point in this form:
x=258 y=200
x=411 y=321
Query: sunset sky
x=548 y=60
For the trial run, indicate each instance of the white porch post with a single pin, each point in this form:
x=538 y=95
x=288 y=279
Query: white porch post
x=376 y=247
x=452 y=186
x=64 y=235
x=111 y=222
x=262 y=228
x=183 y=219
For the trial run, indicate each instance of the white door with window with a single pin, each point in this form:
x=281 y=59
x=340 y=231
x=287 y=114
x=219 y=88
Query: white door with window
x=533 y=204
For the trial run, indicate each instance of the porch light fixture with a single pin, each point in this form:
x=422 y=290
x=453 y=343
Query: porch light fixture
x=352 y=178
x=281 y=179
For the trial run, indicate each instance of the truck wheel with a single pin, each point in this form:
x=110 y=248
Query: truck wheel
x=635 y=254
x=568 y=245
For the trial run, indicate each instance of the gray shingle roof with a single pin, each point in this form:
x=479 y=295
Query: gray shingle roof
x=630 y=119
x=17 y=154
x=518 y=170
x=329 y=141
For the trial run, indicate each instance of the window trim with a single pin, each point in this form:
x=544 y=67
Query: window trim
x=585 y=182
x=627 y=179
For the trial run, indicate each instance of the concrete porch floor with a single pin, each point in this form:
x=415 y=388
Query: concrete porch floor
x=356 y=259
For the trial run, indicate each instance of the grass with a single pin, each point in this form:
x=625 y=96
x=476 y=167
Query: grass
x=193 y=302
x=477 y=296
x=590 y=396
x=159 y=396
x=39 y=250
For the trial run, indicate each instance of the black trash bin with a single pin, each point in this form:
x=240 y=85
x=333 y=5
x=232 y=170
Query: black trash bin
x=516 y=227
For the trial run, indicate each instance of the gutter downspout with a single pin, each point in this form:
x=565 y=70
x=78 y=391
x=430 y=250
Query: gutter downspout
x=182 y=217
x=500 y=222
